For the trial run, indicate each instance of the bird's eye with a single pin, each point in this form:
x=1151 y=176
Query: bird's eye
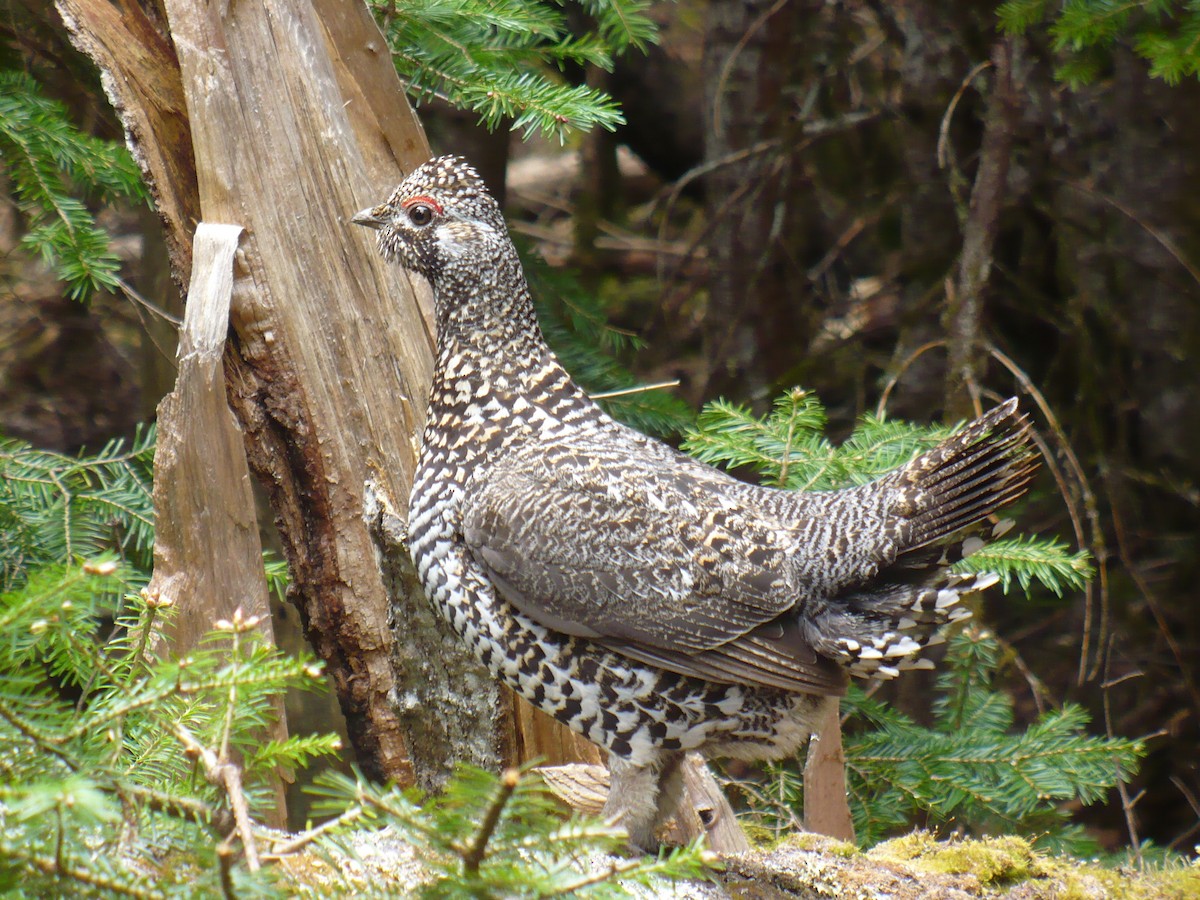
x=420 y=214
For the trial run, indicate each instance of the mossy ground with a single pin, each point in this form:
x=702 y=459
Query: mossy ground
x=813 y=867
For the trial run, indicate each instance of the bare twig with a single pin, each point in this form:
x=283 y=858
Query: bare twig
x=1156 y=610
x=151 y=307
x=1036 y=687
x=964 y=308
x=640 y=389
x=610 y=239
x=945 y=150
x=1166 y=242
x=851 y=232
x=1194 y=804
x=1096 y=545
x=718 y=123
x=228 y=776
x=295 y=843
x=143 y=306
x=747 y=187
x=49 y=866
x=905 y=364
x=225 y=857
x=1127 y=803
x=730 y=159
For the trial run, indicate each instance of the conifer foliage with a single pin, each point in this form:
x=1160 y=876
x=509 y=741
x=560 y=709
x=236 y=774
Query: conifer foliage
x=506 y=837
x=576 y=326
x=51 y=165
x=503 y=59
x=1084 y=32
x=969 y=770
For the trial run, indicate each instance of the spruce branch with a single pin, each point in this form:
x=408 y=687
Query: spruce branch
x=57 y=869
x=48 y=160
x=500 y=837
x=575 y=324
x=503 y=59
x=294 y=844
x=1084 y=33
x=1027 y=559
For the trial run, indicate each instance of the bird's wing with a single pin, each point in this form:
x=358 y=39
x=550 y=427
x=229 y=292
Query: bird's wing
x=651 y=560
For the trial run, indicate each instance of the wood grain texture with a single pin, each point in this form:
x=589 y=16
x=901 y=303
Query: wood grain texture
x=202 y=495
x=703 y=808
x=826 y=808
x=140 y=74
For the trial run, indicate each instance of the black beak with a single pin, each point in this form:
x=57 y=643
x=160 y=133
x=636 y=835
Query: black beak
x=371 y=218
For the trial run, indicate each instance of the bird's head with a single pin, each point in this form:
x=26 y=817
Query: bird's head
x=440 y=220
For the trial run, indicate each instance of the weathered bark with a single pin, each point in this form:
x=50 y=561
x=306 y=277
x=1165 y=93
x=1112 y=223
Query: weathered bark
x=330 y=354
x=140 y=73
x=826 y=808
x=703 y=811
x=318 y=382
x=449 y=708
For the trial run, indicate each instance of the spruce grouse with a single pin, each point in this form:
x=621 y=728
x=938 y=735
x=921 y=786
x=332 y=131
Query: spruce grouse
x=650 y=602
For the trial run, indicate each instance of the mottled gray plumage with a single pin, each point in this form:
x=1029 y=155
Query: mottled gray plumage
x=648 y=601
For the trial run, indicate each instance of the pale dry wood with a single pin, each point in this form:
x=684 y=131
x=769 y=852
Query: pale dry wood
x=582 y=786
x=333 y=350
x=346 y=143
x=826 y=810
x=207 y=552
x=703 y=808
x=443 y=693
x=537 y=736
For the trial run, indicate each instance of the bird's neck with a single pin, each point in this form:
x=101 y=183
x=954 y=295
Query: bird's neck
x=493 y=361
x=490 y=323
x=488 y=310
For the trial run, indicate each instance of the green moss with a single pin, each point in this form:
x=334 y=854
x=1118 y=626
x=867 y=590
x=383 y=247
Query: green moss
x=999 y=862
x=993 y=860
x=1180 y=883
x=807 y=840
x=760 y=837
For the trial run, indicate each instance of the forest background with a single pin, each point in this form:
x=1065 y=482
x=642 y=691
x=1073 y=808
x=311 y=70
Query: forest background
x=898 y=206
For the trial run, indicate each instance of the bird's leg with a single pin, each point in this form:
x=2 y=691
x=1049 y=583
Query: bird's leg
x=670 y=787
x=640 y=798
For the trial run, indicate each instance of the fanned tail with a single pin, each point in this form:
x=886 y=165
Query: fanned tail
x=943 y=499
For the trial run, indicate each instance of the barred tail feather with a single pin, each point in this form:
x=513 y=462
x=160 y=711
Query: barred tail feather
x=967 y=477
x=944 y=498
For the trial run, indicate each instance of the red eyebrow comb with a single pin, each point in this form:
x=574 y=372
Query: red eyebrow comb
x=422 y=198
